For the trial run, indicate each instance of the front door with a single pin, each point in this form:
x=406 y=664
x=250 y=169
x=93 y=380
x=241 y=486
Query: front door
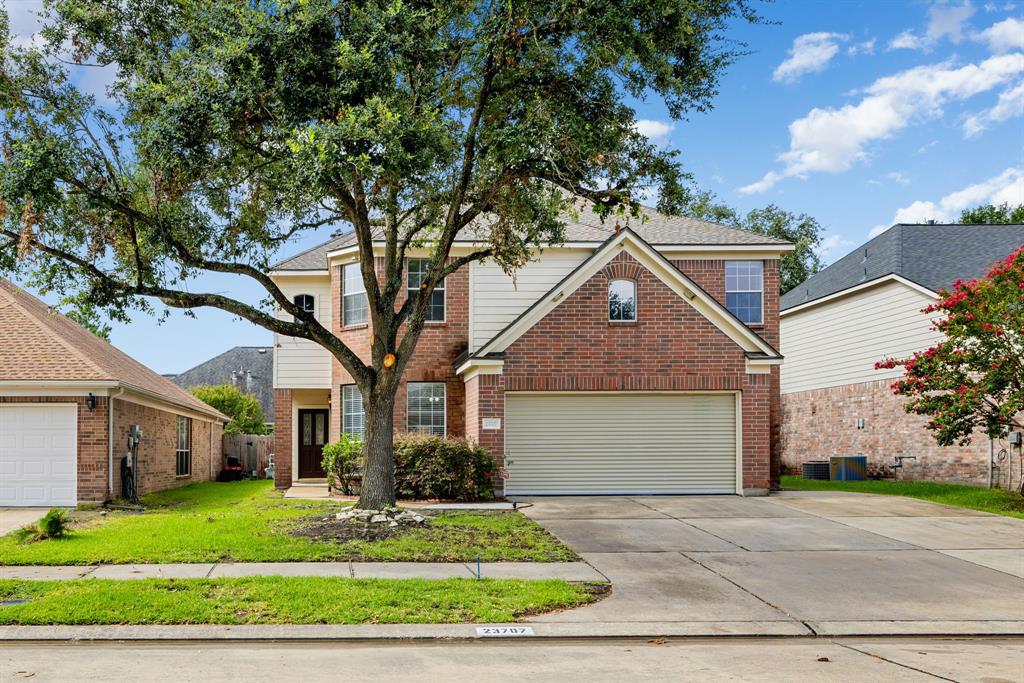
x=312 y=437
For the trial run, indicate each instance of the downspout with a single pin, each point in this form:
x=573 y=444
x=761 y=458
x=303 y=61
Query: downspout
x=991 y=457
x=110 y=440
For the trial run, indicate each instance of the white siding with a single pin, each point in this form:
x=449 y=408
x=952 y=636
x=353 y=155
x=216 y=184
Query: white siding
x=496 y=301
x=300 y=363
x=838 y=342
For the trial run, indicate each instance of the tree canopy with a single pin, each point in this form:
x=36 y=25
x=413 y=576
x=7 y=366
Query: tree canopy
x=994 y=214
x=243 y=409
x=974 y=378
x=232 y=128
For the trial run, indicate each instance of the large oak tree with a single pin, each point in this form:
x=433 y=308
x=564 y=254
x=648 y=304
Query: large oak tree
x=233 y=127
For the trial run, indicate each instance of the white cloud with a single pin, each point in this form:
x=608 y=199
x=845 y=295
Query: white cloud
x=907 y=40
x=1009 y=105
x=1007 y=187
x=944 y=21
x=898 y=177
x=1003 y=36
x=832 y=140
x=810 y=53
x=655 y=131
x=832 y=246
x=865 y=47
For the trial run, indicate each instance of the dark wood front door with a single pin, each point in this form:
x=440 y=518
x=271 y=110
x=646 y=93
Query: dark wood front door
x=312 y=437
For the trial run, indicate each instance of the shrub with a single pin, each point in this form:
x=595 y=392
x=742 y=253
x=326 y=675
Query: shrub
x=53 y=524
x=243 y=409
x=343 y=461
x=447 y=469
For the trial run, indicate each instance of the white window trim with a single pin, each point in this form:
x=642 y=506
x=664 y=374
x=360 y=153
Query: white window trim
x=345 y=294
x=444 y=407
x=177 y=443
x=343 y=413
x=636 y=301
x=728 y=291
x=441 y=286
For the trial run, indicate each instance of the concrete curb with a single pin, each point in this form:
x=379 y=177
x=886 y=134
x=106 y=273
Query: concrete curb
x=580 y=572
x=405 y=632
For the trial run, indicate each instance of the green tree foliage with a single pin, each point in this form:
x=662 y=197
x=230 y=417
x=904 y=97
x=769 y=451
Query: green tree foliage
x=232 y=128
x=802 y=230
x=343 y=461
x=243 y=409
x=974 y=378
x=993 y=214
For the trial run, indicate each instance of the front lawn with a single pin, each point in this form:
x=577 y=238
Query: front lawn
x=996 y=501
x=279 y=600
x=249 y=521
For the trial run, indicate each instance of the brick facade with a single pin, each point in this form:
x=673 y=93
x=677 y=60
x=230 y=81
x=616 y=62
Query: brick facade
x=158 y=449
x=157 y=452
x=823 y=422
x=670 y=348
x=283 y=437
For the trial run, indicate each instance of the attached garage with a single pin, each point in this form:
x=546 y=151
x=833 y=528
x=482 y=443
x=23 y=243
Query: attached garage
x=621 y=443
x=39 y=454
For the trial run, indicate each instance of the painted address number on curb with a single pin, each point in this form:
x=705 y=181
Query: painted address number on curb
x=503 y=631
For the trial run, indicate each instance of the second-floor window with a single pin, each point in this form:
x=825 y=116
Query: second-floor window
x=418 y=268
x=304 y=302
x=744 y=290
x=354 y=309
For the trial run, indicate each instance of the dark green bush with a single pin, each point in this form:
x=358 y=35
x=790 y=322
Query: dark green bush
x=343 y=462
x=447 y=469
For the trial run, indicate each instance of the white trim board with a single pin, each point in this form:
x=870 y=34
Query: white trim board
x=891 y=277
x=656 y=263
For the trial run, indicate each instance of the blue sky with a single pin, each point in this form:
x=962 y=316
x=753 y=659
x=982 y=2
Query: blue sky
x=861 y=114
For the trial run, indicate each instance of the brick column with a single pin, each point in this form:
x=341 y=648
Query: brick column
x=485 y=399
x=282 y=438
x=756 y=434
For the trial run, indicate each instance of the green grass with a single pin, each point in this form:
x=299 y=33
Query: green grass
x=280 y=600
x=996 y=501
x=250 y=522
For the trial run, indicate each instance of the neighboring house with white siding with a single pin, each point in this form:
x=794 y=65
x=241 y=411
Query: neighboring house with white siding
x=863 y=308
x=633 y=359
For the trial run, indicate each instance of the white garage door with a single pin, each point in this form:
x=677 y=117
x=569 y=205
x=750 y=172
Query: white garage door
x=39 y=454
x=612 y=443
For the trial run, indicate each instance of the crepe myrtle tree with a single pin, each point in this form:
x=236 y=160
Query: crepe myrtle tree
x=974 y=378
x=231 y=128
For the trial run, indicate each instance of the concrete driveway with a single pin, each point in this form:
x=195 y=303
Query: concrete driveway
x=15 y=518
x=828 y=563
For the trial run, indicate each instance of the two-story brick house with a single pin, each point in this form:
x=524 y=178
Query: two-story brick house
x=635 y=360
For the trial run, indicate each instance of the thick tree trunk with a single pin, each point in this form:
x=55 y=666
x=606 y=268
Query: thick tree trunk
x=378 y=486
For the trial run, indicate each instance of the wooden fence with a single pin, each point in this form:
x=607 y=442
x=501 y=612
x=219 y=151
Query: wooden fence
x=252 y=450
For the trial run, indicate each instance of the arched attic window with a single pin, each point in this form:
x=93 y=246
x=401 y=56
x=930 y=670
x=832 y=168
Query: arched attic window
x=622 y=301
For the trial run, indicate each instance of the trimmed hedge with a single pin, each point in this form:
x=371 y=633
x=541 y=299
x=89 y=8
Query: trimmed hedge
x=446 y=469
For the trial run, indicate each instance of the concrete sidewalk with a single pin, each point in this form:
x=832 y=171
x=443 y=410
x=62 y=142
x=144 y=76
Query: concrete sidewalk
x=567 y=571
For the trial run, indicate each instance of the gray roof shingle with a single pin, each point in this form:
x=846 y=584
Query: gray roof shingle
x=250 y=368
x=656 y=229
x=934 y=256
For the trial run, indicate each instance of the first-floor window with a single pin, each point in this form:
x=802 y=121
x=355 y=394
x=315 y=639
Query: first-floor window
x=353 y=418
x=426 y=407
x=183 y=453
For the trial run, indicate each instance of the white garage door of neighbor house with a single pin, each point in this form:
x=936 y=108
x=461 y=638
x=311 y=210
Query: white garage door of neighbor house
x=620 y=443
x=38 y=454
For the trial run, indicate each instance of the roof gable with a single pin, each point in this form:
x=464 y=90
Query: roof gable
x=932 y=256
x=629 y=242
x=43 y=346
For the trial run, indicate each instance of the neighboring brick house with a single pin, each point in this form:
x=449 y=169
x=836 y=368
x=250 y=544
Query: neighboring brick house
x=616 y=362
x=67 y=402
x=866 y=307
